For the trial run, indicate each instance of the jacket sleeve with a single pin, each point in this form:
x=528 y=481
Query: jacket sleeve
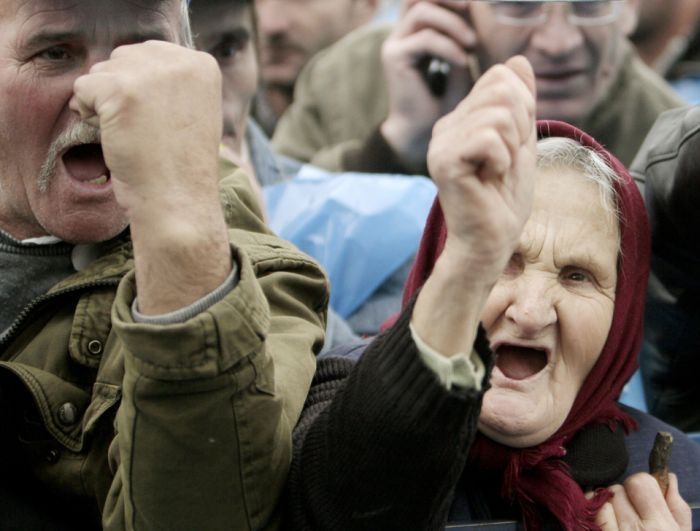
x=205 y=422
x=668 y=167
x=381 y=443
x=337 y=105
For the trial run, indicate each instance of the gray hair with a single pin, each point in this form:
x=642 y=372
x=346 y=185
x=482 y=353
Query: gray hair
x=562 y=152
x=186 y=38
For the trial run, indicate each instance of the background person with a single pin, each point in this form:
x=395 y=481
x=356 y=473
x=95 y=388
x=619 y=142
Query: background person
x=669 y=166
x=667 y=38
x=364 y=105
x=494 y=395
x=291 y=32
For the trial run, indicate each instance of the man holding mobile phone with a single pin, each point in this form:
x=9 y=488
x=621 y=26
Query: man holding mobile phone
x=365 y=105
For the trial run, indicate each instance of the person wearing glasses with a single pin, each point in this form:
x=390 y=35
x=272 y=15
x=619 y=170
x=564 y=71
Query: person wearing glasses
x=369 y=102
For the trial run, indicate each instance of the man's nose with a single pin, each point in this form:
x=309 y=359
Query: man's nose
x=532 y=305
x=557 y=36
x=272 y=16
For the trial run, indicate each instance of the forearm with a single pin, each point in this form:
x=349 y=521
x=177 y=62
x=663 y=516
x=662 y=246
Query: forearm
x=386 y=450
x=448 y=309
x=208 y=405
x=375 y=155
x=181 y=252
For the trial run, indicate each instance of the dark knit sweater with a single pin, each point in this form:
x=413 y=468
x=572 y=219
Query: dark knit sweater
x=391 y=393
x=382 y=445
x=27 y=272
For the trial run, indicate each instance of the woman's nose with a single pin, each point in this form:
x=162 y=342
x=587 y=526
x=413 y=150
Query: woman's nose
x=532 y=305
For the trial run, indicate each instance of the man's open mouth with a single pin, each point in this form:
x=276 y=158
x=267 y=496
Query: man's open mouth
x=518 y=362
x=86 y=163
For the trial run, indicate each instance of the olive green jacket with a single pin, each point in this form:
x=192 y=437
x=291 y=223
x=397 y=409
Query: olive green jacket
x=183 y=426
x=340 y=99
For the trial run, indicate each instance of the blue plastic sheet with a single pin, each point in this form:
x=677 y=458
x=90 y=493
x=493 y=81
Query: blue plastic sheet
x=359 y=227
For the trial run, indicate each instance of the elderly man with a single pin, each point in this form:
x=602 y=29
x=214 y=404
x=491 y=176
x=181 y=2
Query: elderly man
x=291 y=32
x=364 y=104
x=152 y=361
x=226 y=30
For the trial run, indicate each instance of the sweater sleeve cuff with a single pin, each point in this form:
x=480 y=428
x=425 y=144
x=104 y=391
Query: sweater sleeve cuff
x=462 y=370
x=374 y=156
x=192 y=310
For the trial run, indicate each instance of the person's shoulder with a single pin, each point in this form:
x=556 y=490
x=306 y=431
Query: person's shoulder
x=658 y=156
x=656 y=91
x=361 y=46
x=369 y=37
x=685 y=455
x=352 y=351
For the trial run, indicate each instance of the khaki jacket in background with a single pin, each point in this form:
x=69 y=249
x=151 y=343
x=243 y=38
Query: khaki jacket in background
x=183 y=426
x=341 y=98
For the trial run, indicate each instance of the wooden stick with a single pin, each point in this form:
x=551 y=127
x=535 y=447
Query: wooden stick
x=659 y=458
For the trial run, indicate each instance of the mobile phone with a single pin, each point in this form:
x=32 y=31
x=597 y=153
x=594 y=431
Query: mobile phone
x=435 y=71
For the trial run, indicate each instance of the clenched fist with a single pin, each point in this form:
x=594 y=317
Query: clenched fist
x=158 y=108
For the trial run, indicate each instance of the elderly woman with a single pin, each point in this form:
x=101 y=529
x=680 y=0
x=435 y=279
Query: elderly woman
x=493 y=396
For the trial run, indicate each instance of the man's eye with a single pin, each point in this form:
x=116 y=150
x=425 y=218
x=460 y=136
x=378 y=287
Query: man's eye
x=228 y=49
x=55 y=53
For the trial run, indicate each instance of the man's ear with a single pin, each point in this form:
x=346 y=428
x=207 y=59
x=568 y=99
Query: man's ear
x=629 y=16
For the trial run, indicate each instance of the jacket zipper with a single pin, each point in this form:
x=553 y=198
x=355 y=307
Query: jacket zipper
x=34 y=305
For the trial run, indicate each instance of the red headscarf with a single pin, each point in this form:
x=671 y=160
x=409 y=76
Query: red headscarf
x=536 y=477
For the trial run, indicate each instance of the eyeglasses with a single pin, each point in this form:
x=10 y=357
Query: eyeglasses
x=530 y=13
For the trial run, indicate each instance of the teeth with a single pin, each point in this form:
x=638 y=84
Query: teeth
x=102 y=179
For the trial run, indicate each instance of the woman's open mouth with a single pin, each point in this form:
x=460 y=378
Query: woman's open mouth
x=86 y=163
x=519 y=362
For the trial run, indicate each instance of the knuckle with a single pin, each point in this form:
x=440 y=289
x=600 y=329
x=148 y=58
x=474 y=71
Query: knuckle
x=616 y=489
x=639 y=481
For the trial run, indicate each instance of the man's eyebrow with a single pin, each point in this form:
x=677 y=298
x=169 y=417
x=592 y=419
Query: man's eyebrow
x=239 y=32
x=143 y=36
x=48 y=38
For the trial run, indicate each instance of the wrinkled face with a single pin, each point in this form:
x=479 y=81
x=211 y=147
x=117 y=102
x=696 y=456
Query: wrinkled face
x=225 y=29
x=44 y=46
x=292 y=31
x=549 y=314
x=574 y=65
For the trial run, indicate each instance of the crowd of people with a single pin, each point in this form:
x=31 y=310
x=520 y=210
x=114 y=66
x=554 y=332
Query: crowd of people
x=168 y=362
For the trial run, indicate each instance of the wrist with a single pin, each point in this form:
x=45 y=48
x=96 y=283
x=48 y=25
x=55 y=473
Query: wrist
x=476 y=268
x=179 y=261
x=411 y=148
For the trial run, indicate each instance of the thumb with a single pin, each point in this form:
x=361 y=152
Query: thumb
x=522 y=68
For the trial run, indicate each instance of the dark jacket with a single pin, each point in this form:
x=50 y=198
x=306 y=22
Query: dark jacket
x=668 y=168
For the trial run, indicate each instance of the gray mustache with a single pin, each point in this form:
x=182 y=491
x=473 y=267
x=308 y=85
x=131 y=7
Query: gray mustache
x=75 y=135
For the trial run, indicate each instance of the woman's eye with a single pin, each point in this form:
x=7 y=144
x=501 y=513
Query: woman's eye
x=576 y=275
x=514 y=266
